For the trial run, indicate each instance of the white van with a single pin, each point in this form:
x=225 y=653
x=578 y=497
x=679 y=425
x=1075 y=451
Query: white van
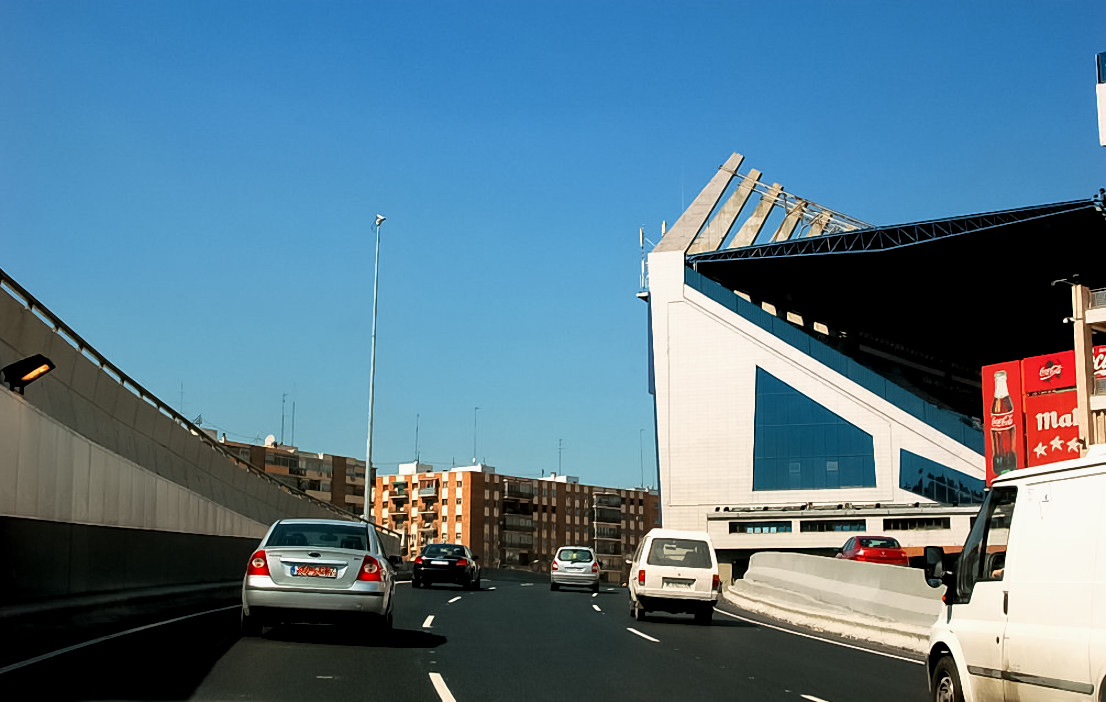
x=674 y=571
x=1025 y=615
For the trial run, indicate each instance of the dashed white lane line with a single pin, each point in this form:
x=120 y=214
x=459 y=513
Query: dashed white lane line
x=647 y=637
x=812 y=698
x=527 y=585
x=429 y=620
x=595 y=594
x=819 y=638
x=441 y=688
x=491 y=588
x=596 y=608
x=454 y=599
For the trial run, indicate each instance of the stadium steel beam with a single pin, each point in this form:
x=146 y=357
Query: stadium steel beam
x=882 y=238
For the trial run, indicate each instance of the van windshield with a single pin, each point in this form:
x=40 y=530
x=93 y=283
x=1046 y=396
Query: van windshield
x=679 y=552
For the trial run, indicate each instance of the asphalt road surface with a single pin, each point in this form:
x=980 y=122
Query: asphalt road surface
x=512 y=640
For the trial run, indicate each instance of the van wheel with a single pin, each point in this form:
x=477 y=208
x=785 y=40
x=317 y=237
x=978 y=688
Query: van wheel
x=250 y=626
x=637 y=611
x=945 y=686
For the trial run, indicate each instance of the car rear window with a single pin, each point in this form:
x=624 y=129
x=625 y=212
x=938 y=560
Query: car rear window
x=878 y=543
x=319 y=536
x=679 y=552
x=444 y=550
x=575 y=555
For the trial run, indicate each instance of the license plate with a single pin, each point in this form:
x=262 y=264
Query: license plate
x=313 y=571
x=672 y=584
x=439 y=562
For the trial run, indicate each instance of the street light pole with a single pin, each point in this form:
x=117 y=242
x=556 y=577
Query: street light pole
x=370 y=478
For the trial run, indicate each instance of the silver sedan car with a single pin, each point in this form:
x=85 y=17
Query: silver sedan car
x=574 y=565
x=318 y=571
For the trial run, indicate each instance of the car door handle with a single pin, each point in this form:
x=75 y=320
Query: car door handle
x=1005 y=602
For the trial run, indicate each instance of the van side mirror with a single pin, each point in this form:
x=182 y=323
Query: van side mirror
x=629 y=562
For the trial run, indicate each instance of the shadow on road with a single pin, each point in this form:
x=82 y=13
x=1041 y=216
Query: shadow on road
x=332 y=635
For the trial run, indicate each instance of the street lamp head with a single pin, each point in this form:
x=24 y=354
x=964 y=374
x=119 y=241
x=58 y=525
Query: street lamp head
x=380 y=219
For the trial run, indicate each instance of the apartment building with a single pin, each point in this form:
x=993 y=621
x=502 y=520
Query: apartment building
x=514 y=522
x=339 y=480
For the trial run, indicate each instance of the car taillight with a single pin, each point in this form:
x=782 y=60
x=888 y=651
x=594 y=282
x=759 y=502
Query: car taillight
x=259 y=565
x=595 y=566
x=715 y=582
x=641 y=577
x=370 y=570
x=462 y=562
x=418 y=560
x=554 y=566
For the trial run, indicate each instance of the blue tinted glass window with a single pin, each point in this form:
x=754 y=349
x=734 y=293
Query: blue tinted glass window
x=800 y=445
x=928 y=478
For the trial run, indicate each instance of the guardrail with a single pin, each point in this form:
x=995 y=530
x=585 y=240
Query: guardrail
x=60 y=328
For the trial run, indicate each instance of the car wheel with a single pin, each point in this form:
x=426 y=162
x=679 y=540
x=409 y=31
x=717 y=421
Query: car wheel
x=386 y=621
x=474 y=584
x=704 y=615
x=945 y=686
x=416 y=583
x=554 y=586
x=250 y=626
x=595 y=587
x=637 y=611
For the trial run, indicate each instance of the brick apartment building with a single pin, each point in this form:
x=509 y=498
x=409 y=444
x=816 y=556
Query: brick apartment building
x=514 y=522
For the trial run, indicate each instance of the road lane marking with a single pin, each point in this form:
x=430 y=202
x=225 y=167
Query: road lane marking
x=595 y=594
x=812 y=698
x=528 y=585
x=454 y=599
x=109 y=637
x=441 y=689
x=429 y=620
x=647 y=637
x=819 y=638
x=596 y=608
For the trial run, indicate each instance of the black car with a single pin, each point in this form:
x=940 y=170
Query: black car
x=446 y=563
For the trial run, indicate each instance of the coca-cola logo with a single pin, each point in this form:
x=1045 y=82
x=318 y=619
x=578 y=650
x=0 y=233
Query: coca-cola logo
x=1002 y=421
x=1051 y=370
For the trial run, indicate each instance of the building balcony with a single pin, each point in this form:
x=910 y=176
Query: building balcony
x=516 y=522
x=428 y=510
x=519 y=491
x=606 y=515
x=398 y=495
x=428 y=529
x=428 y=493
x=608 y=500
x=399 y=516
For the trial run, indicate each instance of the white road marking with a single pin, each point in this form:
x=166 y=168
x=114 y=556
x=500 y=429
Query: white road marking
x=429 y=620
x=596 y=608
x=441 y=689
x=812 y=698
x=454 y=599
x=818 y=638
x=109 y=637
x=528 y=585
x=644 y=636
x=491 y=588
x=324 y=677
x=595 y=594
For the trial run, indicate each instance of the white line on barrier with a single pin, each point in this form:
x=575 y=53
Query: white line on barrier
x=596 y=608
x=454 y=599
x=109 y=637
x=441 y=688
x=644 y=636
x=819 y=638
x=429 y=620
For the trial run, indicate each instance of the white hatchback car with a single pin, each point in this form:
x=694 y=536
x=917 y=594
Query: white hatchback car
x=318 y=570
x=574 y=565
x=674 y=571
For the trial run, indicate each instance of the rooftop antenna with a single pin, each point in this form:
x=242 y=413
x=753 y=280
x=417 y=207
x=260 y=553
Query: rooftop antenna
x=416 y=438
x=283 y=397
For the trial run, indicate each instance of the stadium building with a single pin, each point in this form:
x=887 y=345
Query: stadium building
x=813 y=374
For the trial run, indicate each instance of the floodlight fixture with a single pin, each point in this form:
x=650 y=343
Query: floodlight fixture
x=22 y=373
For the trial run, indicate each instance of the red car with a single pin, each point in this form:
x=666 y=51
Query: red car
x=874 y=549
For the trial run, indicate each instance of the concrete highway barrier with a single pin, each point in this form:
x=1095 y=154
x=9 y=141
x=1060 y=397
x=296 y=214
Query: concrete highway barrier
x=889 y=605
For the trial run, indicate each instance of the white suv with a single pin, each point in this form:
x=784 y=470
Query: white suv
x=674 y=571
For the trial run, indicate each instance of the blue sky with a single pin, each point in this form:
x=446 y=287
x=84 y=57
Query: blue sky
x=192 y=185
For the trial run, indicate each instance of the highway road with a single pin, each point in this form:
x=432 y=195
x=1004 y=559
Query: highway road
x=512 y=640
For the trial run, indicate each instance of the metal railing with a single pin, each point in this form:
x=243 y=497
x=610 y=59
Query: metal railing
x=1098 y=298
x=85 y=349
